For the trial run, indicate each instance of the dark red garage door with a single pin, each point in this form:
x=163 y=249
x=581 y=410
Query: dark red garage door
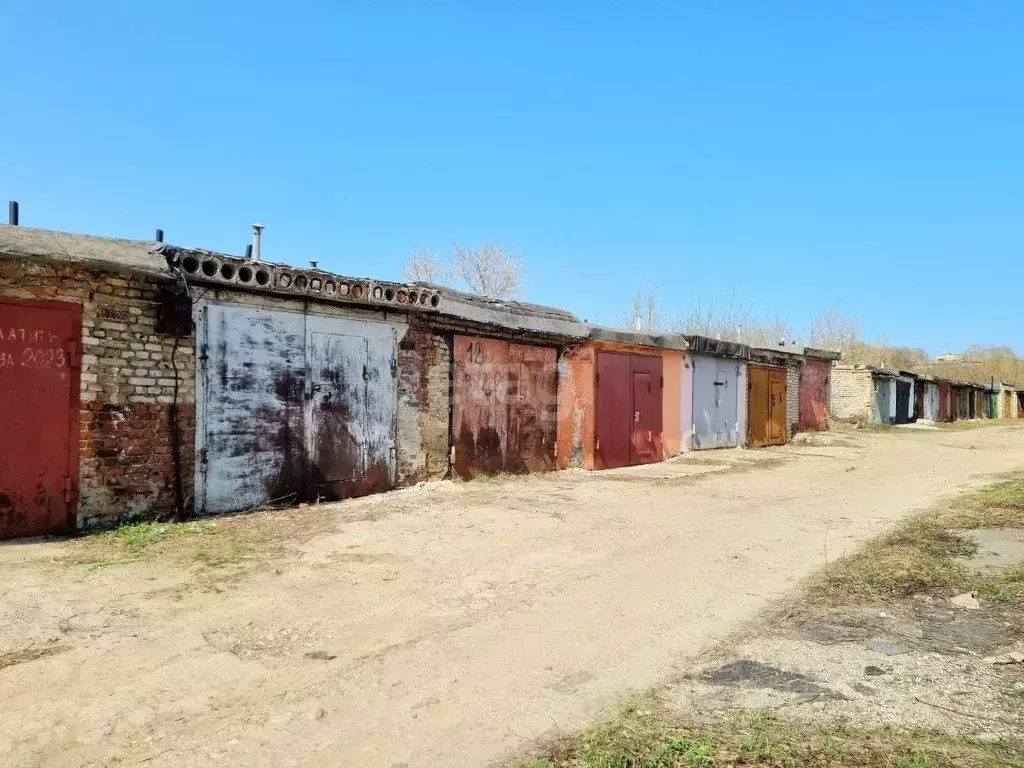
x=629 y=403
x=38 y=415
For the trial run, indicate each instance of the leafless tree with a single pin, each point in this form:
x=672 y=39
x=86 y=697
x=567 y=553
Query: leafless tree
x=830 y=330
x=425 y=267
x=645 y=314
x=489 y=270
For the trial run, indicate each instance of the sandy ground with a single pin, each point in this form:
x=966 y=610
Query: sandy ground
x=446 y=625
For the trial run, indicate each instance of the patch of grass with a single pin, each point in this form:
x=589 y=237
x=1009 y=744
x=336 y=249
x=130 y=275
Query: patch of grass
x=196 y=542
x=923 y=553
x=134 y=537
x=651 y=737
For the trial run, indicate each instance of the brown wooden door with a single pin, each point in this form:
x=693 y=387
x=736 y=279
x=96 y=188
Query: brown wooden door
x=766 y=406
x=777 y=402
x=758 y=405
x=646 y=444
x=613 y=410
x=39 y=378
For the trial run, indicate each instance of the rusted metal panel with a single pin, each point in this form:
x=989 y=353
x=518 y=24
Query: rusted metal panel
x=291 y=407
x=533 y=422
x=943 y=410
x=479 y=405
x=715 y=402
x=504 y=407
x=614 y=410
x=814 y=378
x=647 y=382
x=39 y=377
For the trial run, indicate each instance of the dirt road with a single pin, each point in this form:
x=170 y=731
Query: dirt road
x=446 y=625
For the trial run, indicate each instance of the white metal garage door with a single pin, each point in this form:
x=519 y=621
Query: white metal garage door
x=291 y=407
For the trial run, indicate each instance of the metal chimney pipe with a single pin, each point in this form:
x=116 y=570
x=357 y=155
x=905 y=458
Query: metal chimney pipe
x=12 y=213
x=257 y=233
x=159 y=235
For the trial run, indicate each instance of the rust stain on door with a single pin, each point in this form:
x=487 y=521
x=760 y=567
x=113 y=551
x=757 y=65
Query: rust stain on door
x=533 y=423
x=814 y=376
x=39 y=377
x=503 y=407
x=292 y=406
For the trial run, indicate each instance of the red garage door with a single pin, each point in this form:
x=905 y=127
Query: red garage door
x=503 y=407
x=814 y=395
x=39 y=341
x=629 y=403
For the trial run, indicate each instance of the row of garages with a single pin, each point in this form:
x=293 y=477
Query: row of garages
x=147 y=380
x=621 y=398
x=887 y=396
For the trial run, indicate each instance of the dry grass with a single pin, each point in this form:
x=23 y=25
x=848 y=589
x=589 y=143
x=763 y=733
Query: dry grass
x=923 y=553
x=201 y=543
x=646 y=735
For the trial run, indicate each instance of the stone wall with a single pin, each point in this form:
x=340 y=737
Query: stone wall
x=129 y=376
x=424 y=393
x=851 y=393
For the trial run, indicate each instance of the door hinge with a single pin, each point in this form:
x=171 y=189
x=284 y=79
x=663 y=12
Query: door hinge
x=662 y=379
x=597 y=380
x=69 y=489
x=203 y=456
x=597 y=444
x=204 y=353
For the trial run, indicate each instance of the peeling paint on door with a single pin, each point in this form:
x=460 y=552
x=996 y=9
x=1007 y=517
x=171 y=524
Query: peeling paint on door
x=292 y=407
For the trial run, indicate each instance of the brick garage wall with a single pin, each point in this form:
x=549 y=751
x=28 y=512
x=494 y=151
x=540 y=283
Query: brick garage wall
x=127 y=388
x=851 y=394
x=792 y=397
x=424 y=386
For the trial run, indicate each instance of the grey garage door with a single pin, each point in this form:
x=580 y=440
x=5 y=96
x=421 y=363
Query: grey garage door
x=291 y=407
x=715 y=402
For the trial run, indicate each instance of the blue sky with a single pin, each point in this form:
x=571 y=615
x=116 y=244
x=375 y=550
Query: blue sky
x=802 y=155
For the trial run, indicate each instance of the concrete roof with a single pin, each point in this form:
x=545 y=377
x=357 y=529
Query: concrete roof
x=640 y=338
x=83 y=251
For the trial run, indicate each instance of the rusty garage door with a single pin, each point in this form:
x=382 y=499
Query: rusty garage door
x=39 y=343
x=628 y=393
x=503 y=407
x=292 y=407
x=766 y=406
x=814 y=395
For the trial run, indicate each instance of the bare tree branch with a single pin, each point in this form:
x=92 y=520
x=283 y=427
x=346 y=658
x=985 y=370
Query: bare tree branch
x=489 y=270
x=424 y=267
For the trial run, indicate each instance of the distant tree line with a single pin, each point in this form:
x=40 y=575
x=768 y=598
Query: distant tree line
x=491 y=270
